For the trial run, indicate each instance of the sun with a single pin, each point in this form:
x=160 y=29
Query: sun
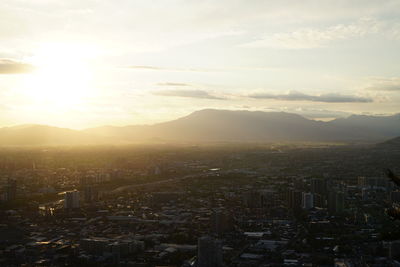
x=62 y=76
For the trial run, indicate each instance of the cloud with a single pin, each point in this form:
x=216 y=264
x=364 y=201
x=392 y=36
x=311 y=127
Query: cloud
x=157 y=68
x=142 y=67
x=8 y=66
x=385 y=84
x=307 y=38
x=389 y=87
x=312 y=113
x=174 y=69
x=188 y=93
x=173 y=84
x=328 y=98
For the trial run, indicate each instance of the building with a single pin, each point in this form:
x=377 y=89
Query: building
x=394 y=250
x=268 y=199
x=319 y=201
x=71 y=200
x=308 y=201
x=209 y=252
x=95 y=246
x=294 y=199
x=11 y=193
x=336 y=202
x=221 y=221
x=253 y=199
x=163 y=197
x=340 y=202
x=362 y=181
x=373 y=182
x=319 y=186
x=395 y=196
x=299 y=184
x=365 y=194
x=90 y=194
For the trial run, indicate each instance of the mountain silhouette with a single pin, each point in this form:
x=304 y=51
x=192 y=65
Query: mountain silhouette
x=211 y=125
x=34 y=135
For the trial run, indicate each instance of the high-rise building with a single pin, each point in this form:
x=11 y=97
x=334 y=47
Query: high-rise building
x=308 y=201
x=71 y=200
x=336 y=202
x=339 y=202
x=221 y=221
x=11 y=193
x=319 y=186
x=90 y=194
x=332 y=202
x=209 y=252
x=365 y=194
x=319 y=201
x=294 y=199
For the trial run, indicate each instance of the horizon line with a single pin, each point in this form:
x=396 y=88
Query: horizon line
x=205 y=109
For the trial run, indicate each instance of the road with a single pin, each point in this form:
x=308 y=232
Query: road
x=172 y=180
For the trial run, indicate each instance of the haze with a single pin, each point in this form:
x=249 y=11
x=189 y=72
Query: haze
x=82 y=64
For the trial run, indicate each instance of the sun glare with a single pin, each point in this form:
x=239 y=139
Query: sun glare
x=62 y=77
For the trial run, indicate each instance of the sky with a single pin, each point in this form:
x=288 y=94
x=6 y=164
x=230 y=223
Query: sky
x=87 y=63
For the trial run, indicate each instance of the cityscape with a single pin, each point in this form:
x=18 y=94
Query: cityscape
x=199 y=133
x=216 y=205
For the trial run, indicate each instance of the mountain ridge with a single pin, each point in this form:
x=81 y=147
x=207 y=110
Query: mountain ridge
x=214 y=125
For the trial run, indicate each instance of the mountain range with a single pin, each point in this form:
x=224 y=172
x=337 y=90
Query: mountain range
x=212 y=125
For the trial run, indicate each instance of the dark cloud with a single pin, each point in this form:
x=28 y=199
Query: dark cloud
x=173 y=84
x=328 y=98
x=8 y=66
x=187 y=93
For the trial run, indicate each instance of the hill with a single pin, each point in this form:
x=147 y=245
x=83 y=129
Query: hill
x=212 y=125
x=33 y=135
x=242 y=126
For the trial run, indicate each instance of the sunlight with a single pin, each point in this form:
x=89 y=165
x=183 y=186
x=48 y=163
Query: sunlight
x=63 y=76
